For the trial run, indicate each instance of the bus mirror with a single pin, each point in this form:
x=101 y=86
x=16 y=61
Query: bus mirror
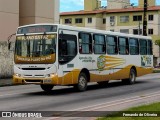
x=11 y=46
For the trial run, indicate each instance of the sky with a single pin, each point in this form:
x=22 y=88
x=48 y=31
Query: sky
x=75 y=5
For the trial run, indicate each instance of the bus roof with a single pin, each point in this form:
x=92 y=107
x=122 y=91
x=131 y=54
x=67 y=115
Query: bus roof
x=91 y=30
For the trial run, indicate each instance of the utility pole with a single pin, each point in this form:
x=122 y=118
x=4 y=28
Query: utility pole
x=145 y=18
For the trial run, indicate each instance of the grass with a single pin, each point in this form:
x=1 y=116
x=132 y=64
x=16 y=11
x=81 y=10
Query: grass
x=156 y=71
x=152 y=108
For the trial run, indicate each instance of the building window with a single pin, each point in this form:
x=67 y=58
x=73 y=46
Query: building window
x=85 y=43
x=78 y=20
x=150 y=17
x=89 y=20
x=112 y=18
x=124 y=19
x=99 y=44
x=137 y=31
x=124 y=31
x=137 y=18
x=104 y=20
x=150 y=31
x=68 y=21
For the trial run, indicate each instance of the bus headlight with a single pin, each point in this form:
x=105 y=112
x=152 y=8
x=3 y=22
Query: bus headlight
x=18 y=75
x=50 y=75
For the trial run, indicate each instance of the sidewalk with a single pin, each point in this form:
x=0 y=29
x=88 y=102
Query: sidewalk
x=7 y=81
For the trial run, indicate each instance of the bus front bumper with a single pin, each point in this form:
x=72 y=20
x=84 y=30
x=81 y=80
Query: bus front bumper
x=53 y=79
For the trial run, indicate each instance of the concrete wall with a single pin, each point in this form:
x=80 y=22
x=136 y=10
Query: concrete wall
x=9 y=18
x=6 y=61
x=39 y=11
x=9 y=21
x=117 y=4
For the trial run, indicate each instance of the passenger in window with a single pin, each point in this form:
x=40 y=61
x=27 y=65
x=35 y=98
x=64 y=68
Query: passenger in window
x=127 y=52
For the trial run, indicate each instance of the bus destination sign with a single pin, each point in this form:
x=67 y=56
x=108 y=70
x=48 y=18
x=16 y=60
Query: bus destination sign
x=37 y=29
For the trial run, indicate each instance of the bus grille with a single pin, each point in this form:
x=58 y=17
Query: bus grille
x=34 y=81
x=33 y=68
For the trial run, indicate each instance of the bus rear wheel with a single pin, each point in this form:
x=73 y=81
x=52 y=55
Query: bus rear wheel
x=82 y=82
x=132 y=77
x=47 y=88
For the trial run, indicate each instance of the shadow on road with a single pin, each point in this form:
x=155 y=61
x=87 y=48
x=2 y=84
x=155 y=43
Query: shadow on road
x=71 y=90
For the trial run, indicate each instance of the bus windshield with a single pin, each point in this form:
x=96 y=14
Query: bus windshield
x=35 y=46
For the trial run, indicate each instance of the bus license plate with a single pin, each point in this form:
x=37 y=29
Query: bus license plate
x=47 y=81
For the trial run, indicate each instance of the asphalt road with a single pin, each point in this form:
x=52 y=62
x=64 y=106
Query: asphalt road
x=114 y=97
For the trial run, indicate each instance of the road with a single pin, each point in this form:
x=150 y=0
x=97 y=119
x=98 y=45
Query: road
x=116 y=96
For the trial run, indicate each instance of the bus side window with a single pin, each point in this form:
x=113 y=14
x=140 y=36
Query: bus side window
x=99 y=44
x=63 y=44
x=67 y=48
x=143 y=46
x=133 y=46
x=85 y=43
x=123 y=46
x=149 y=47
x=111 y=45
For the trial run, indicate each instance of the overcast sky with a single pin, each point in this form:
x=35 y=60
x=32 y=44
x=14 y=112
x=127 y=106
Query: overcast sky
x=75 y=5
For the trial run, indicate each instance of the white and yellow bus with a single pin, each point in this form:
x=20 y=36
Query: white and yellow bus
x=54 y=54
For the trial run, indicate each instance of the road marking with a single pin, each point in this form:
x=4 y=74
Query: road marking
x=135 y=98
x=109 y=104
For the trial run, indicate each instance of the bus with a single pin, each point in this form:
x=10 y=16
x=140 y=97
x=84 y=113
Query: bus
x=53 y=54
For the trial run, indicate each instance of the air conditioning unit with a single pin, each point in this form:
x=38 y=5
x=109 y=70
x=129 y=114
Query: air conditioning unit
x=112 y=23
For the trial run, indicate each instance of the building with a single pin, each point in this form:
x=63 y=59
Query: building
x=125 y=19
x=14 y=13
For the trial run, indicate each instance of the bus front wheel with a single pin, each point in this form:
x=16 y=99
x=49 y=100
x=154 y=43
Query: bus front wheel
x=82 y=82
x=47 y=88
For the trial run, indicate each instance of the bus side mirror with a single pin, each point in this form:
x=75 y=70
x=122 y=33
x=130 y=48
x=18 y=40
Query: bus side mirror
x=11 y=46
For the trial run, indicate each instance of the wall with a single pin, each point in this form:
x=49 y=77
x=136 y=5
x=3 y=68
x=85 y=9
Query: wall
x=9 y=21
x=117 y=4
x=6 y=61
x=39 y=11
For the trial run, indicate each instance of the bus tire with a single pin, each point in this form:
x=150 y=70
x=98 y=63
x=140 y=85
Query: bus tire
x=132 y=77
x=82 y=82
x=47 y=88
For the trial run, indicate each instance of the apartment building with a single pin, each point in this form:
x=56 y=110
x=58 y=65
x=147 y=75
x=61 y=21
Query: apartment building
x=118 y=16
